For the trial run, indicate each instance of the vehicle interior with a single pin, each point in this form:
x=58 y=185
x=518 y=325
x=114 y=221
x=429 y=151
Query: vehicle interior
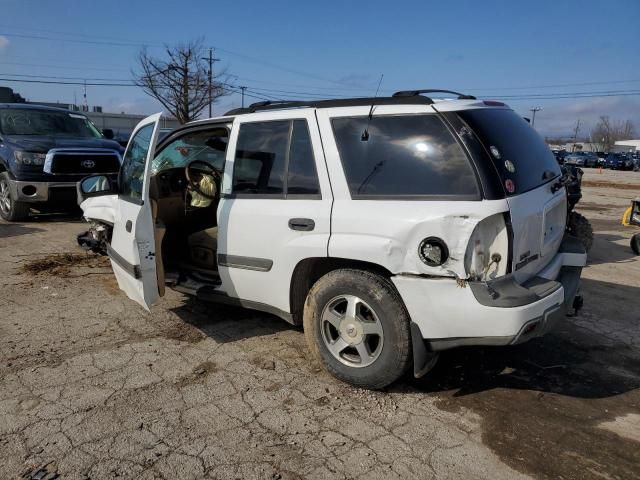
x=184 y=190
x=185 y=183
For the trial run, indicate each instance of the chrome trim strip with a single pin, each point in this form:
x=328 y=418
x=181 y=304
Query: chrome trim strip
x=133 y=270
x=247 y=263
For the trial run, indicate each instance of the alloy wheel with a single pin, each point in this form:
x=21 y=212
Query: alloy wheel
x=351 y=331
x=5 y=197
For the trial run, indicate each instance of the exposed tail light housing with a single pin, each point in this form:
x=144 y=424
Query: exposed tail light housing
x=487 y=255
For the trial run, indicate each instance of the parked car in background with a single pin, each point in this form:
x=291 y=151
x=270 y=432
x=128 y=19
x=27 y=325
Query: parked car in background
x=44 y=152
x=560 y=156
x=582 y=159
x=619 y=161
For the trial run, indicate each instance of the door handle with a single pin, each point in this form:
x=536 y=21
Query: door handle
x=302 y=224
x=128 y=226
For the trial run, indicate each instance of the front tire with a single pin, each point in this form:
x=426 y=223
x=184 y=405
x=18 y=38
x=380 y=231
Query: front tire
x=10 y=209
x=357 y=327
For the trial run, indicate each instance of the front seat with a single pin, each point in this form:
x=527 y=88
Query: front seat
x=203 y=247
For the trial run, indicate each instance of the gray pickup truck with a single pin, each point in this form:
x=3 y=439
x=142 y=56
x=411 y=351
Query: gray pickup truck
x=44 y=152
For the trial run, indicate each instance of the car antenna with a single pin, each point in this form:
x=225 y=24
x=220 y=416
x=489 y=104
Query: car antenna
x=365 y=134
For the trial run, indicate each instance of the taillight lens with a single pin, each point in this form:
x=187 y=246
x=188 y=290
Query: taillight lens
x=487 y=254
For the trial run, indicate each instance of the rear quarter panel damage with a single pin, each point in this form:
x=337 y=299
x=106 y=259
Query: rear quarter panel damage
x=388 y=233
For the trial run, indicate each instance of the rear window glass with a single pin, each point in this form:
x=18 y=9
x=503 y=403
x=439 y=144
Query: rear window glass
x=517 y=151
x=404 y=156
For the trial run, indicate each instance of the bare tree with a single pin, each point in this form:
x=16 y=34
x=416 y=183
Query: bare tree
x=180 y=80
x=606 y=133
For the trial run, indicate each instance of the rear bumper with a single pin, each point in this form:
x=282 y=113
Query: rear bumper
x=499 y=312
x=35 y=192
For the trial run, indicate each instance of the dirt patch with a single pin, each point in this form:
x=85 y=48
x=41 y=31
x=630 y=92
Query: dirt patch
x=595 y=207
x=61 y=264
x=604 y=184
x=183 y=332
x=111 y=284
x=198 y=374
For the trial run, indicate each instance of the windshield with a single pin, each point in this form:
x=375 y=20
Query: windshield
x=519 y=154
x=208 y=146
x=15 y=121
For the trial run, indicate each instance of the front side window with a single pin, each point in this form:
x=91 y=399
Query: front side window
x=208 y=146
x=403 y=156
x=133 y=164
x=261 y=157
x=15 y=121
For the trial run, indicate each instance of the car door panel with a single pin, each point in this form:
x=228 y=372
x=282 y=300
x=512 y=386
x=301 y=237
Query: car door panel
x=259 y=244
x=133 y=248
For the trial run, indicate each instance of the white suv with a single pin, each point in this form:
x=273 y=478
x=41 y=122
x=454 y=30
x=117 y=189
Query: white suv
x=390 y=228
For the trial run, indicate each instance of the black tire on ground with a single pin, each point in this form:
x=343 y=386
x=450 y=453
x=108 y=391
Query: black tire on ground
x=635 y=243
x=10 y=209
x=580 y=227
x=378 y=294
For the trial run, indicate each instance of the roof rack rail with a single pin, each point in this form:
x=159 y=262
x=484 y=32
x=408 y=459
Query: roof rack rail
x=330 y=103
x=415 y=93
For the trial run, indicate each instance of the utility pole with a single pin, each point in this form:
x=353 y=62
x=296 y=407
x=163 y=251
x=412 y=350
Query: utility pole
x=211 y=59
x=533 y=110
x=86 y=105
x=575 y=135
x=243 y=89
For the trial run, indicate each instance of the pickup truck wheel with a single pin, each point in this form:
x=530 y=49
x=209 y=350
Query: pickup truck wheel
x=10 y=209
x=357 y=327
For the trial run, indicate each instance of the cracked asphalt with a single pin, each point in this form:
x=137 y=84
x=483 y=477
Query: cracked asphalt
x=92 y=386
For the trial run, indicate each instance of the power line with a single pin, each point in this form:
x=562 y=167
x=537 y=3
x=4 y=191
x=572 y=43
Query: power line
x=60 y=82
x=46 y=77
x=71 y=40
x=59 y=66
x=268 y=96
x=138 y=44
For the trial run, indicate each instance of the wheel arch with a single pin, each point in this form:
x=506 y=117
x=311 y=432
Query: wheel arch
x=309 y=270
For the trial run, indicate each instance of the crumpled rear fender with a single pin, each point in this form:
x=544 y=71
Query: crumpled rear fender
x=389 y=233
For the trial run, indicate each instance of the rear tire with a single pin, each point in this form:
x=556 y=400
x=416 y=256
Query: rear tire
x=635 y=243
x=357 y=327
x=10 y=209
x=580 y=228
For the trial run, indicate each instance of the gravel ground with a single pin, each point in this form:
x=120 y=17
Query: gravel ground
x=92 y=386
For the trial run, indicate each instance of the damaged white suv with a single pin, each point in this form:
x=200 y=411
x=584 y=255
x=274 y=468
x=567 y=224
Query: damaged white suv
x=390 y=228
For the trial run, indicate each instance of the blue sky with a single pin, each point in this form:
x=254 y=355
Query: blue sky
x=493 y=49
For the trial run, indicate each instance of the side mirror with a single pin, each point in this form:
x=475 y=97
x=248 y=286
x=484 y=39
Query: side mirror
x=108 y=133
x=94 y=186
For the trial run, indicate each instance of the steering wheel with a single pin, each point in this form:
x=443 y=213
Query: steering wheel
x=194 y=172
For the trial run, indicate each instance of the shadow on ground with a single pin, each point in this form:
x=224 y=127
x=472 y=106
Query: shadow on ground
x=16 y=229
x=225 y=323
x=611 y=248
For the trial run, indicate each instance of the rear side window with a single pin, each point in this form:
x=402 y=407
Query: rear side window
x=303 y=177
x=522 y=158
x=275 y=158
x=404 y=156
